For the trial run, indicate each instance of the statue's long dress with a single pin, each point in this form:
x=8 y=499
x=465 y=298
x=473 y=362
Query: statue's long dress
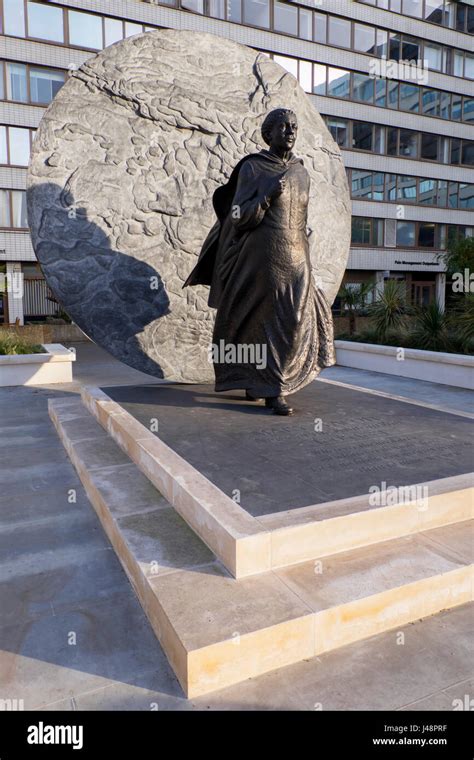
x=266 y=291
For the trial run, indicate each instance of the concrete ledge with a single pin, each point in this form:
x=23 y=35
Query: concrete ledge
x=216 y=630
x=52 y=366
x=323 y=529
x=432 y=366
x=248 y=545
x=234 y=536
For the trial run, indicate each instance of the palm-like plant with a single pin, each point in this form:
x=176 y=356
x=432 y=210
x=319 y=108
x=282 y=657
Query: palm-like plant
x=389 y=311
x=354 y=299
x=458 y=256
x=462 y=322
x=430 y=328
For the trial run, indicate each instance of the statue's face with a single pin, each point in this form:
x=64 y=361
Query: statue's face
x=284 y=132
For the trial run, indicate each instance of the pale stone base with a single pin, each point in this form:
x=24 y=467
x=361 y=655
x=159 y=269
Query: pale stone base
x=247 y=545
x=217 y=630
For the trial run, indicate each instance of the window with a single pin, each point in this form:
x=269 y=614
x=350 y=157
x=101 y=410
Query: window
x=445 y=104
x=320 y=21
x=426 y=235
x=339 y=128
x=391 y=187
x=192 y=5
x=453 y=192
x=19 y=218
x=456 y=108
x=392 y=94
x=378 y=182
x=14 y=18
x=5 y=217
x=442 y=197
x=460 y=17
x=363 y=88
x=306 y=24
x=131 y=29
x=469 y=66
x=44 y=84
x=392 y=141
x=360 y=233
x=216 y=9
x=466 y=195
x=408 y=143
x=409 y=97
x=381 y=92
x=257 y=13
x=367 y=231
x=467 y=153
x=361 y=184
x=319 y=79
x=17 y=88
x=382 y=43
x=406 y=234
x=429 y=147
x=395 y=46
x=338 y=83
x=470 y=20
x=455 y=152
x=431 y=102
x=339 y=32
x=432 y=56
x=304 y=76
x=379 y=139
x=45 y=22
x=434 y=11
x=364 y=38
x=19 y=146
x=85 y=30
x=413 y=8
x=285 y=18
x=410 y=49
x=406 y=189
x=3 y=146
x=362 y=136
x=450 y=13
x=113 y=31
x=234 y=11
x=428 y=192
x=468 y=109
x=457 y=63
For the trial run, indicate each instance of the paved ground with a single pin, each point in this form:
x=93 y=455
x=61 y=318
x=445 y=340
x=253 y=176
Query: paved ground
x=73 y=636
x=339 y=443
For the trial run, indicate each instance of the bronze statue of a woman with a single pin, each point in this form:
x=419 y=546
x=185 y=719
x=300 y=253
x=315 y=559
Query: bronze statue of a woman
x=256 y=260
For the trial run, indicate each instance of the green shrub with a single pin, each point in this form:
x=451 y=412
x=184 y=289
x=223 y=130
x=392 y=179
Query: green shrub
x=11 y=345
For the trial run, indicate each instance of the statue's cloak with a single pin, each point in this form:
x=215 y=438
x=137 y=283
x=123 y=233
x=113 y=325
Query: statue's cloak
x=257 y=263
x=219 y=238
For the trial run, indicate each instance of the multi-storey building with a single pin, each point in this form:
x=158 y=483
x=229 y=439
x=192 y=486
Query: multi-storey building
x=406 y=129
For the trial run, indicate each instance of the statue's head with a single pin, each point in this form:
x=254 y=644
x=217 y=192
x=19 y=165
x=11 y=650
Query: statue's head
x=280 y=129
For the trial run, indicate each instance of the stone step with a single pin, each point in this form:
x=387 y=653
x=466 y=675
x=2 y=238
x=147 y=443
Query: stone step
x=247 y=545
x=216 y=630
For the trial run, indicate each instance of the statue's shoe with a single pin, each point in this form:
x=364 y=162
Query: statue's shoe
x=278 y=405
x=249 y=397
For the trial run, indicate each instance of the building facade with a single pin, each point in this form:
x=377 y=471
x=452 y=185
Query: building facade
x=394 y=80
